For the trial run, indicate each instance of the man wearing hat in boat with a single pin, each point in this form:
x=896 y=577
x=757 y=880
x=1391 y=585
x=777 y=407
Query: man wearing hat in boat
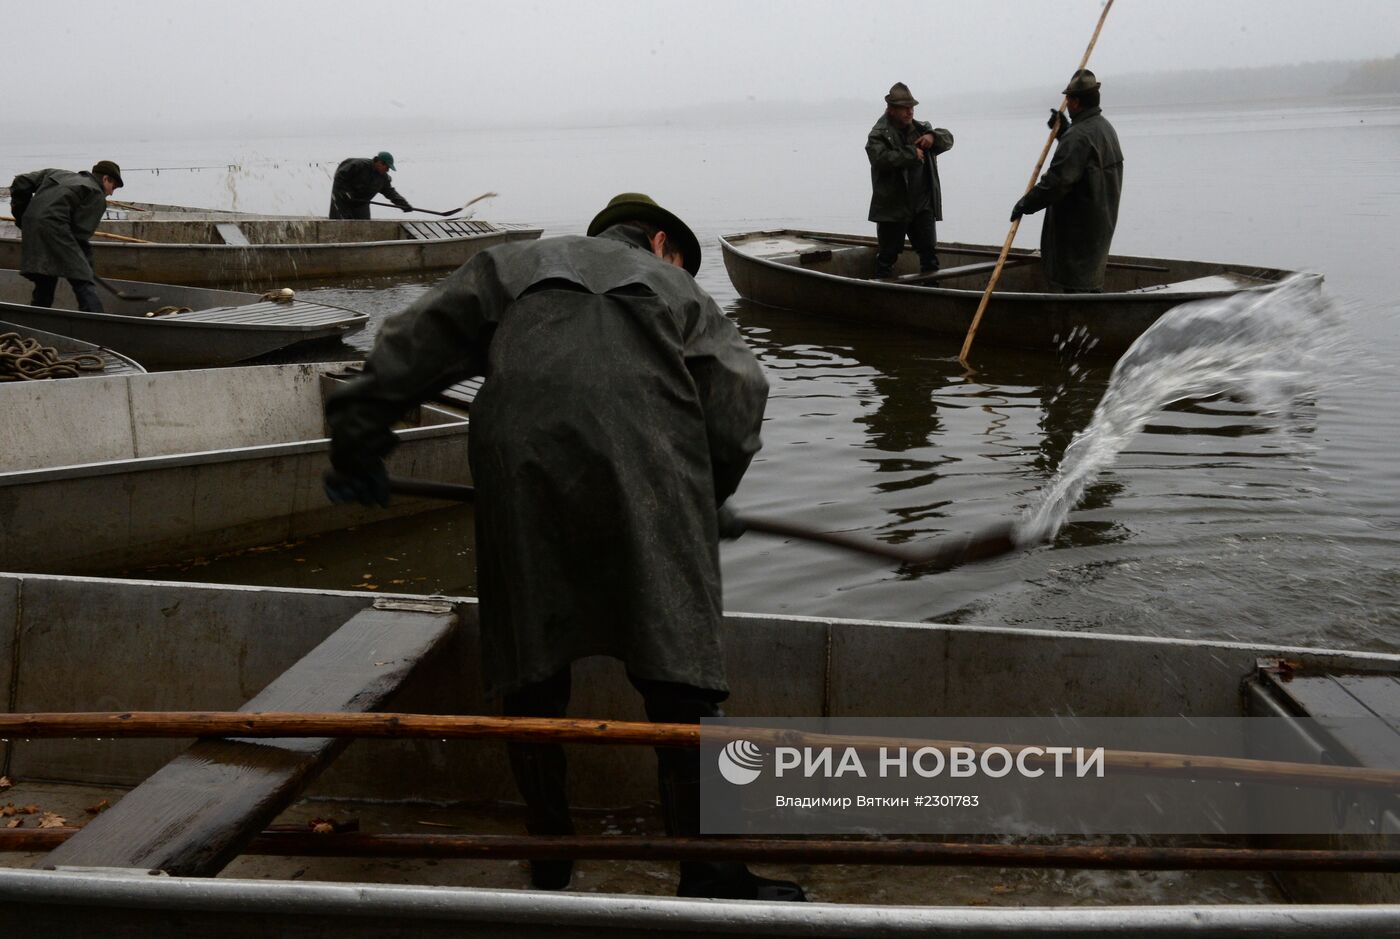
x=906 y=198
x=358 y=180
x=57 y=212
x=1080 y=190
x=620 y=409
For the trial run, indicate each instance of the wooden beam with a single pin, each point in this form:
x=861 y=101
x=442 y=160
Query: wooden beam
x=962 y=270
x=198 y=812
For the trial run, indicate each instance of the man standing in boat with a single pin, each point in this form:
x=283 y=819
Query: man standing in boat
x=906 y=198
x=620 y=409
x=358 y=180
x=1080 y=190
x=57 y=212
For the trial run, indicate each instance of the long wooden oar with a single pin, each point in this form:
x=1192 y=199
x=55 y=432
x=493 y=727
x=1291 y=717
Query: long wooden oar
x=281 y=841
x=340 y=724
x=1015 y=226
x=97 y=234
x=990 y=542
x=484 y=195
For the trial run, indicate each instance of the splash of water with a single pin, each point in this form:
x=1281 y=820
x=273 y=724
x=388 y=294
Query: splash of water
x=1260 y=347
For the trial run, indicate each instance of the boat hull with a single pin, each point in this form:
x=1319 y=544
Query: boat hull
x=828 y=275
x=118 y=473
x=284 y=251
x=113 y=363
x=220 y=643
x=220 y=327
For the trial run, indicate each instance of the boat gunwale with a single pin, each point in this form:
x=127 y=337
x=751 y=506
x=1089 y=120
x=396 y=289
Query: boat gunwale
x=136 y=890
x=729 y=247
x=1384 y=660
x=353 y=321
x=205 y=457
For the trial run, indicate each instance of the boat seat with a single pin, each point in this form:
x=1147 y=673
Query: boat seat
x=446 y=229
x=196 y=813
x=1354 y=716
x=231 y=233
x=962 y=270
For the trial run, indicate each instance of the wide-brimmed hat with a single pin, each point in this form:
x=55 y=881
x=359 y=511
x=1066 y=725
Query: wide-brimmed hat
x=900 y=96
x=385 y=157
x=1082 y=81
x=640 y=207
x=108 y=168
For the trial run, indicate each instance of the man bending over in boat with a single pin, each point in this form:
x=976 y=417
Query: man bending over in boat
x=906 y=198
x=1081 y=190
x=57 y=211
x=620 y=409
x=358 y=180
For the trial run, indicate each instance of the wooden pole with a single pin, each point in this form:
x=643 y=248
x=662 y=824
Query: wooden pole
x=1035 y=175
x=97 y=234
x=773 y=851
x=113 y=236
x=635 y=733
x=991 y=541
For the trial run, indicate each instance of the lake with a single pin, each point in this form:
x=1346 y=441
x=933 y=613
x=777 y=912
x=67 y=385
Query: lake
x=1215 y=522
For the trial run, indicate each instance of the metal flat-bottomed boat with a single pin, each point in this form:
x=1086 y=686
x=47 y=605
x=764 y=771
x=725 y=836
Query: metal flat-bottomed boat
x=179 y=245
x=172 y=326
x=114 y=473
x=833 y=275
x=112 y=363
x=183 y=848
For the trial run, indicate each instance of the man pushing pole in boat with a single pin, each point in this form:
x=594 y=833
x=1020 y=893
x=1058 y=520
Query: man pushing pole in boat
x=1081 y=189
x=57 y=212
x=358 y=180
x=620 y=409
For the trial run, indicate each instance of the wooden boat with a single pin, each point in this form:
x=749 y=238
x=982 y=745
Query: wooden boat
x=197 y=807
x=113 y=363
x=832 y=275
x=216 y=327
x=112 y=473
x=206 y=247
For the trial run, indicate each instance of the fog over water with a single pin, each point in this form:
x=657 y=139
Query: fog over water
x=1215 y=520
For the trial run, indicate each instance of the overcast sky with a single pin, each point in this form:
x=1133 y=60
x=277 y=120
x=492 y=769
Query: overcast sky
x=174 y=62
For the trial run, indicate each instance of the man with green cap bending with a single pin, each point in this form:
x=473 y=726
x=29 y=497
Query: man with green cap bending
x=57 y=212
x=358 y=180
x=620 y=409
x=906 y=198
x=1081 y=189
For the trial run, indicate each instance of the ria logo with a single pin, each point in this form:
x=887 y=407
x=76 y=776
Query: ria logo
x=740 y=762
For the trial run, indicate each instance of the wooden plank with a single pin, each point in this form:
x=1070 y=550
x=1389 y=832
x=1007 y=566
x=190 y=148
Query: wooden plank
x=194 y=815
x=231 y=233
x=964 y=270
x=1335 y=707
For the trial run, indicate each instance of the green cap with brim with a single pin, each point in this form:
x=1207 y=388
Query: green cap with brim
x=639 y=207
x=385 y=157
x=108 y=168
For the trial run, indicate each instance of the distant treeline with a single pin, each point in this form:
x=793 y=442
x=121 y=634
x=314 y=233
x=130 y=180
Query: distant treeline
x=1381 y=76
x=1307 y=79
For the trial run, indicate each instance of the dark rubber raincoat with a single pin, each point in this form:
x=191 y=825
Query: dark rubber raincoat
x=57 y=211
x=356 y=182
x=894 y=161
x=619 y=409
x=1081 y=189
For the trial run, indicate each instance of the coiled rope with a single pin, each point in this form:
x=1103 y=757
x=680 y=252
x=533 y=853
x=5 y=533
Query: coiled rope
x=22 y=358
